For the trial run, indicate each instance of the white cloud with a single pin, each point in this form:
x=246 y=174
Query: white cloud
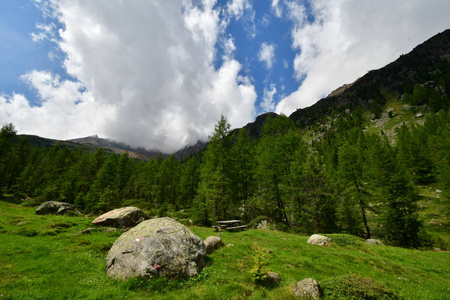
x=148 y=69
x=268 y=104
x=348 y=38
x=45 y=31
x=276 y=8
x=66 y=110
x=267 y=54
x=236 y=8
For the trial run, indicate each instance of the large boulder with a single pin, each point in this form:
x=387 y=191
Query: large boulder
x=55 y=208
x=212 y=243
x=157 y=247
x=308 y=288
x=317 y=239
x=125 y=217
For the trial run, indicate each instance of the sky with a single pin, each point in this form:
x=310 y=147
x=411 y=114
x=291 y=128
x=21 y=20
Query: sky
x=159 y=74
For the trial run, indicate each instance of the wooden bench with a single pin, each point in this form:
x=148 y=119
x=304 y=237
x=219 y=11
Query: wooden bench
x=218 y=227
x=236 y=228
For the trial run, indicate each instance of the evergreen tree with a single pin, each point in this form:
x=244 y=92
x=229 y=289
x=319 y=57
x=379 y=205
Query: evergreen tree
x=351 y=177
x=213 y=199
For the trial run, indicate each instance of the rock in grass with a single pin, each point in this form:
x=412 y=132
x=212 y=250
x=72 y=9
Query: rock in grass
x=317 y=239
x=125 y=217
x=55 y=208
x=308 y=288
x=212 y=243
x=272 y=279
x=157 y=247
x=374 y=242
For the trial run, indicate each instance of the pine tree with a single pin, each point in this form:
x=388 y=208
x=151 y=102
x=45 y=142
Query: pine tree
x=213 y=199
x=351 y=177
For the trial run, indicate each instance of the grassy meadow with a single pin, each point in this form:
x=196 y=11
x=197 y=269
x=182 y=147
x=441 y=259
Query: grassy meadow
x=46 y=257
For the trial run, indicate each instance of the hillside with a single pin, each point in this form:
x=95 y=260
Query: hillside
x=46 y=257
x=429 y=61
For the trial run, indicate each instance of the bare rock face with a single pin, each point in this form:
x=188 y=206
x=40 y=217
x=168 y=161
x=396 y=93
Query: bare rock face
x=317 y=239
x=157 y=247
x=212 y=243
x=125 y=217
x=308 y=288
x=55 y=208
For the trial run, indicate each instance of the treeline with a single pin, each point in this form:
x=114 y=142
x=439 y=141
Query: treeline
x=347 y=181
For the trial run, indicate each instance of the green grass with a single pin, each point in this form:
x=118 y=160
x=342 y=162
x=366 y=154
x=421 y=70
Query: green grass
x=45 y=257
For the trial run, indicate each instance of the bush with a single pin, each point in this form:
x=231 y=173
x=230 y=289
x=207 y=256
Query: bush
x=258 y=270
x=357 y=287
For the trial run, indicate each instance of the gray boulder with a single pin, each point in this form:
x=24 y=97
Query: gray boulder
x=125 y=217
x=308 y=288
x=157 y=247
x=374 y=242
x=55 y=208
x=317 y=239
x=212 y=243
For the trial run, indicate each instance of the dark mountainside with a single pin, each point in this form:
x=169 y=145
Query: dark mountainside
x=422 y=64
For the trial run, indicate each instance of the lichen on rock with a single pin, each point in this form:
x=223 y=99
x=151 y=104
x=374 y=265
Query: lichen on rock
x=157 y=247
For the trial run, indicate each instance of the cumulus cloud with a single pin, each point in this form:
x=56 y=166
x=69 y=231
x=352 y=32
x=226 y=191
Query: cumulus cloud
x=67 y=110
x=267 y=54
x=144 y=74
x=345 y=39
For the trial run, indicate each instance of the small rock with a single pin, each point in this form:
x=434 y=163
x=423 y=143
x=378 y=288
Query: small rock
x=308 y=288
x=317 y=239
x=402 y=278
x=263 y=225
x=212 y=243
x=374 y=242
x=272 y=278
x=230 y=245
x=111 y=229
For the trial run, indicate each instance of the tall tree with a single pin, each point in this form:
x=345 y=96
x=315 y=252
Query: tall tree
x=351 y=176
x=213 y=198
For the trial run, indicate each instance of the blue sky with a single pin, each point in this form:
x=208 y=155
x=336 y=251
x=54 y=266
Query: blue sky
x=159 y=74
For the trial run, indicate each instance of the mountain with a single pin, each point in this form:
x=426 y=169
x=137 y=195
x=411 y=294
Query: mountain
x=93 y=143
x=117 y=147
x=423 y=64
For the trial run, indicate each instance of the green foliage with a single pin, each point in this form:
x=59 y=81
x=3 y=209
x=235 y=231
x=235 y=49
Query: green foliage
x=260 y=263
x=357 y=287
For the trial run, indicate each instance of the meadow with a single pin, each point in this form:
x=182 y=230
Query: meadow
x=46 y=257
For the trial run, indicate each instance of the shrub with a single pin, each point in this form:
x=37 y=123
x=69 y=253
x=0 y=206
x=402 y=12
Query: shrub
x=357 y=287
x=258 y=270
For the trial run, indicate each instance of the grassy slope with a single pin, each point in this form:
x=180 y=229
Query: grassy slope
x=45 y=257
